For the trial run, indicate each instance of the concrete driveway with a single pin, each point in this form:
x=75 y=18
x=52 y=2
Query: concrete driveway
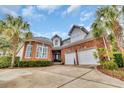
x=57 y=76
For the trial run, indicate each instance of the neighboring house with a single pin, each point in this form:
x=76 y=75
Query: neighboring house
x=77 y=49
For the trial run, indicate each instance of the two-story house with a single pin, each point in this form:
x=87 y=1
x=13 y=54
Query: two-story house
x=77 y=49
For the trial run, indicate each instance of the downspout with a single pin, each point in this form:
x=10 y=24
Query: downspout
x=106 y=48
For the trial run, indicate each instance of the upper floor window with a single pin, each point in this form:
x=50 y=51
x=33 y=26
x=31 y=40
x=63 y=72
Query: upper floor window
x=41 y=51
x=56 y=42
x=28 y=50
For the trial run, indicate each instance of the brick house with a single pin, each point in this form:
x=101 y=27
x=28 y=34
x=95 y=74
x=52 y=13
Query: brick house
x=77 y=49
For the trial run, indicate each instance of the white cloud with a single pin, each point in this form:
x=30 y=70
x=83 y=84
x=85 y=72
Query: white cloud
x=88 y=28
x=27 y=11
x=37 y=34
x=85 y=16
x=49 y=8
x=64 y=35
x=30 y=12
x=61 y=34
x=11 y=10
x=70 y=9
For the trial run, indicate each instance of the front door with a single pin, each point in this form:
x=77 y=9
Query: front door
x=56 y=56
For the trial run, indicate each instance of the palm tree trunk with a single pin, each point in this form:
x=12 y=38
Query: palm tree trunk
x=117 y=33
x=119 y=45
x=104 y=40
x=19 y=48
x=13 y=60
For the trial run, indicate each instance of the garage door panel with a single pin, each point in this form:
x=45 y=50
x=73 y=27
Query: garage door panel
x=69 y=58
x=86 y=57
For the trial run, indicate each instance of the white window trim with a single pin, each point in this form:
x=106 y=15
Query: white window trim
x=37 y=50
x=42 y=52
x=58 y=42
x=45 y=51
x=28 y=51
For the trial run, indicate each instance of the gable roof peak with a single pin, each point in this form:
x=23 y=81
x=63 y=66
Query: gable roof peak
x=56 y=35
x=80 y=27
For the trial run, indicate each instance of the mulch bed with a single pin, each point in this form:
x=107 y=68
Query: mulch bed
x=119 y=74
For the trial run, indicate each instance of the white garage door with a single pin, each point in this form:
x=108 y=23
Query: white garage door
x=86 y=57
x=70 y=57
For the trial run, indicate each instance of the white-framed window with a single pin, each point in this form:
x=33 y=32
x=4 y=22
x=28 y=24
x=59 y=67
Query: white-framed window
x=56 y=42
x=45 y=52
x=28 y=51
x=41 y=51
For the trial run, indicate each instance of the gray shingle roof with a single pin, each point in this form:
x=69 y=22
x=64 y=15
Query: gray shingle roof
x=56 y=36
x=41 y=39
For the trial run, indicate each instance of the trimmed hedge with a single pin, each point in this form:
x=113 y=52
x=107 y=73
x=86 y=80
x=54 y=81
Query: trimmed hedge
x=118 y=59
x=5 y=61
x=109 y=65
x=34 y=63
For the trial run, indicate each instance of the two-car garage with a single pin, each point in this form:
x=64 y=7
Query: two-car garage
x=85 y=57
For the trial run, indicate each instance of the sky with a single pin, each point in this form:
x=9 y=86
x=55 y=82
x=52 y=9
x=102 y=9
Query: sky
x=48 y=20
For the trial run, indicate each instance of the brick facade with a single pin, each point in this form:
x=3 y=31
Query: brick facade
x=34 y=45
x=94 y=43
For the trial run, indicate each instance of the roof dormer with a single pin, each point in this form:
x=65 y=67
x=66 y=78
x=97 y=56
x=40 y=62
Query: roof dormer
x=56 y=40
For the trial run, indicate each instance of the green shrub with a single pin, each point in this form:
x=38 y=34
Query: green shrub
x=118 y=74
x=109 y=65
x=118 y=59
x=102 y=55
x=34 y=63
x=5 y=61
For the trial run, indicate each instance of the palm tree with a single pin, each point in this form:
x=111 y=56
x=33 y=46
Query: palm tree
x=15 y=30
x=109 y=23
x=122 y=19
x=110 y=16
x=99 y=31
x=4 y=45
